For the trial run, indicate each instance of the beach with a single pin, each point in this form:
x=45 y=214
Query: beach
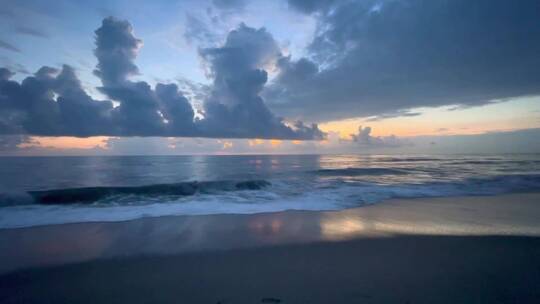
x=474 y=249
x=290 y=151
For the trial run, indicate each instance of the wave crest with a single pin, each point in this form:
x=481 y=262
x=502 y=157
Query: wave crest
x=93 y=194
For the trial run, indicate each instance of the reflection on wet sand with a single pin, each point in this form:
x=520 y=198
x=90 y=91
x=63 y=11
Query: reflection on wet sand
x=513 y=214
x=265 y=228
x=68 y=243
x=336 y=228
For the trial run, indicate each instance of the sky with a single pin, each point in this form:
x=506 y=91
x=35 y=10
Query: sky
x=285 y=76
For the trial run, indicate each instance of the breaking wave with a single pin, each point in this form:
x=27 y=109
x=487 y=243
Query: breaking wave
x=93 y=194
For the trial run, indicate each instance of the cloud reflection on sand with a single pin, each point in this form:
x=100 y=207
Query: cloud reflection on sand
x=514 y=214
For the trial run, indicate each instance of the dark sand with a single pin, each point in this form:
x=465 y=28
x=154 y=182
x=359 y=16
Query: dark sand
x=452 y=250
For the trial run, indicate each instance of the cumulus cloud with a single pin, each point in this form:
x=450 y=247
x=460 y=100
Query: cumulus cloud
x=364 y=138
x=235 y=104
x=53 y=102
x=373 y=57
x=363 y=141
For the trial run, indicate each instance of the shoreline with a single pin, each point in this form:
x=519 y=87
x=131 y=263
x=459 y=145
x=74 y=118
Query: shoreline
x=391 y=201
x=504 y=215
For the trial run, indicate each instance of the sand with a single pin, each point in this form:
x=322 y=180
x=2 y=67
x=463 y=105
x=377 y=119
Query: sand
x=448 y=250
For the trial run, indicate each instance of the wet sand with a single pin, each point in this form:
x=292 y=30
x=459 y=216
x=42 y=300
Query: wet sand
x=449 y=250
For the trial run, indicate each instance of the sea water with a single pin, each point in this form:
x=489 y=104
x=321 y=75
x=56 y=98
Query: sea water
x=55 y=190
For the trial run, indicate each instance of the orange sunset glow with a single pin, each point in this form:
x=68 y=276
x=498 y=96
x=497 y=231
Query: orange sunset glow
x=67 y=142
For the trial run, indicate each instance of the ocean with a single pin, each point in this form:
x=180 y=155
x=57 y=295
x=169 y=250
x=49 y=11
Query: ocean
x=54 y=190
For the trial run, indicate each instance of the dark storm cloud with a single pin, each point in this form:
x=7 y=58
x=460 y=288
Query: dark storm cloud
x=23 y=30
x=53 y=102
x=9 y=46
x=377 y=56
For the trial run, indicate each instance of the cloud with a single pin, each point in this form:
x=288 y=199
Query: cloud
x=235 y=104
x=10 y=143
x=229 y=4
x=310 y=6
x=196 y=30
x=5 y=74
x=53 y=102
x=210 y=27
x=6 y=12
x=23 y=30
x=9 y=47
x=142 y=111
x=398 y=113
x=518 y=141
x=116 y=50
x=15 y=67
x=364 y=138
x=514 y=141
x=374 y=57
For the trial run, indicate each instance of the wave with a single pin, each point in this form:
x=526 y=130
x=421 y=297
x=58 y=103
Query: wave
x=410 y=159
x=460 y=161
x=93 y=194
x=496 y=161
x=493 y=185
x=126 y=203
x=361 y=171
x=11 y=198
x=506 y=183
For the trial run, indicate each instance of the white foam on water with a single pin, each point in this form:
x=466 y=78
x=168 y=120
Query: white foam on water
x=37 y=215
